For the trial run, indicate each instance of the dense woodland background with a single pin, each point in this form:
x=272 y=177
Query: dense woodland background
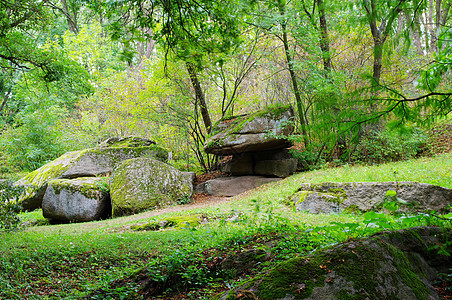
x=369 y=79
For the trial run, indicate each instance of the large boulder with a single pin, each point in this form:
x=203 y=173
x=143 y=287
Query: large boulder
x=77 y=200
x=231 y=186
x=392 y=265
x=263 y=130
x=365 y=196
x=142 y=184
x=98 y=161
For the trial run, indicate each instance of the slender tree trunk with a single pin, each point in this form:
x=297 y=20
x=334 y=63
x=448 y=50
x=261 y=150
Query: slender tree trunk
x=324 y=39
x=71 y=19
x=199 y=94
x=300 y=106
x=5 y=99
x=431 y=27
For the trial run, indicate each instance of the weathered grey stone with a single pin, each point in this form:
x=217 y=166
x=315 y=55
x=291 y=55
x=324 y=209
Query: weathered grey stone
x=77 y=200
x=142 y=184
x=191 y=176
x=317 y=203
x=231 y=186
x=392 y=265
x=364 y=196
x=85 y=163
x=240 y=164
x=279 y=163
x=279 y=168
x=256 y=132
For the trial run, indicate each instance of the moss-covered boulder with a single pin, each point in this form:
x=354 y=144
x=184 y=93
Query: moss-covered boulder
x=263 y=130
x=364 y=196
x=142 y=184
x=394 y=265
x=77 y=200
x=98 y=161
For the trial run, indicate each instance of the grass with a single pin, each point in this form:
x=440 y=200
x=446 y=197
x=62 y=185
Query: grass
x=93 y=260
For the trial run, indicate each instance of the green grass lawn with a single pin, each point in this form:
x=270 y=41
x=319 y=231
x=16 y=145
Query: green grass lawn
x=72 y=261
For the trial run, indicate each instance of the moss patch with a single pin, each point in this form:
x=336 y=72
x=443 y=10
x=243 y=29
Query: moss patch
x=171 y=222
x=142 y=184
x=373 y=268
x=87 y=186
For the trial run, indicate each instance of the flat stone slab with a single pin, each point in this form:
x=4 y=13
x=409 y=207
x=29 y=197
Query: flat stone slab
x=231 y=186
x=365 y=196
x=77 y=200
x=260 y=131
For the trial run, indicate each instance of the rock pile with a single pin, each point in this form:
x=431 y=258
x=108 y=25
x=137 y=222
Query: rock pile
x=255 y=147
x=76 y=186
x=257 y=143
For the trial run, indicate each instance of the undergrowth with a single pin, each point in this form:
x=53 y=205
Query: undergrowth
x=109 y=260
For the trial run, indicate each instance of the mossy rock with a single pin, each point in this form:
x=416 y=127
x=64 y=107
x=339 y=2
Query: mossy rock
x=98 y=161
x=262 y=130
x=330 y=197
x=171 y=222
x=77 y=200
x=397 y=265
x=143 y=184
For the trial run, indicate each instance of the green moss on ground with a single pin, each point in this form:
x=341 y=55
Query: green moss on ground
x=171 y=222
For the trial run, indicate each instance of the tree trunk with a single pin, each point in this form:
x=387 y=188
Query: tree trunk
x=71 y=19
x=199 y=96
x=415 y=33
x=5 y=99
x=324 y=39
x=296 y=90
x=431 y=27
x=378 y=57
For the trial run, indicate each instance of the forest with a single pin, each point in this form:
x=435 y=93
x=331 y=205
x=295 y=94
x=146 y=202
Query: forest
x=369 y=85
x=75 y=73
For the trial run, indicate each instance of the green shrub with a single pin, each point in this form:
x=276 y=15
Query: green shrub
x=9 y=209
x=389 y=145
x=34 y=142
x=306 y=160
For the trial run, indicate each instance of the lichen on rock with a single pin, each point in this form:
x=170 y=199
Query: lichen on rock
x=141 y=184
x=97 y=161
x=77 y=200
x=394 y=265
x=262 y=130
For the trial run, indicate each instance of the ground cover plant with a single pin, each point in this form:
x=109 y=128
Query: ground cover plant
x=110 y=260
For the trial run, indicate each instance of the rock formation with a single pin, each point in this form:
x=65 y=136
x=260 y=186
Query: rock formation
x=260 y=131
x=257 y=143
x=365 y=196
x=76 y=186
x=98 y=161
